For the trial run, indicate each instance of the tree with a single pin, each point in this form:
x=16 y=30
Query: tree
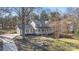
x=3 y=12
x=44 y=16
x=23 y=14
x=34 y=16
x=55 y=19
x=54 y=16
x=74 y=12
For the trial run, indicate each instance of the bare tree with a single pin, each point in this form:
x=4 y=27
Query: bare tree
x=23 y=13
x=75 y=15
x=55 y=23
x=3 y=12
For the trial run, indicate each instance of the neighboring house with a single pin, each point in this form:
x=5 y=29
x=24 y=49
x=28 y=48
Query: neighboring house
x=35 y=27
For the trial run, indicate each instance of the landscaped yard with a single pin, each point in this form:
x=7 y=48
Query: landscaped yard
x=42 y=43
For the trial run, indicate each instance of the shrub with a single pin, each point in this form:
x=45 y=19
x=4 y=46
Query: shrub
x=77 y=32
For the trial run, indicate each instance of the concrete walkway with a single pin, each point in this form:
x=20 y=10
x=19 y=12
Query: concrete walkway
x=8 y=43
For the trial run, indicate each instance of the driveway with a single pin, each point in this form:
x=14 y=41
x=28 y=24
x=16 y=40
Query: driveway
x=8 y=43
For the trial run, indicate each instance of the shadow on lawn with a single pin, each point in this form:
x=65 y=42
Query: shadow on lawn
x=30 y=46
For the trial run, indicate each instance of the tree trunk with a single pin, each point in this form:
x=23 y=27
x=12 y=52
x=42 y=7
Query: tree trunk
x=23 y=23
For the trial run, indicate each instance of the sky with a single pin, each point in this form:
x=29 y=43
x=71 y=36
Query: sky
x=59 y=9
x=62 y=10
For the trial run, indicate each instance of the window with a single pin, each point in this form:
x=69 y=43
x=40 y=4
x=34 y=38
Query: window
x=32 y=30
x=39 y=30
x=42 y=30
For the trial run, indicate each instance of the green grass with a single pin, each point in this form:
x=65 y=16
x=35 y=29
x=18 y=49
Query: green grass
x=64 y=45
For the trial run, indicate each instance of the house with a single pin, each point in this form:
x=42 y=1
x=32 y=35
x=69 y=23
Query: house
x=35 y=27
x=28 y=29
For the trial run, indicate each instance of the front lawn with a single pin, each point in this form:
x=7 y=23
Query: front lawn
x=47 y=44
